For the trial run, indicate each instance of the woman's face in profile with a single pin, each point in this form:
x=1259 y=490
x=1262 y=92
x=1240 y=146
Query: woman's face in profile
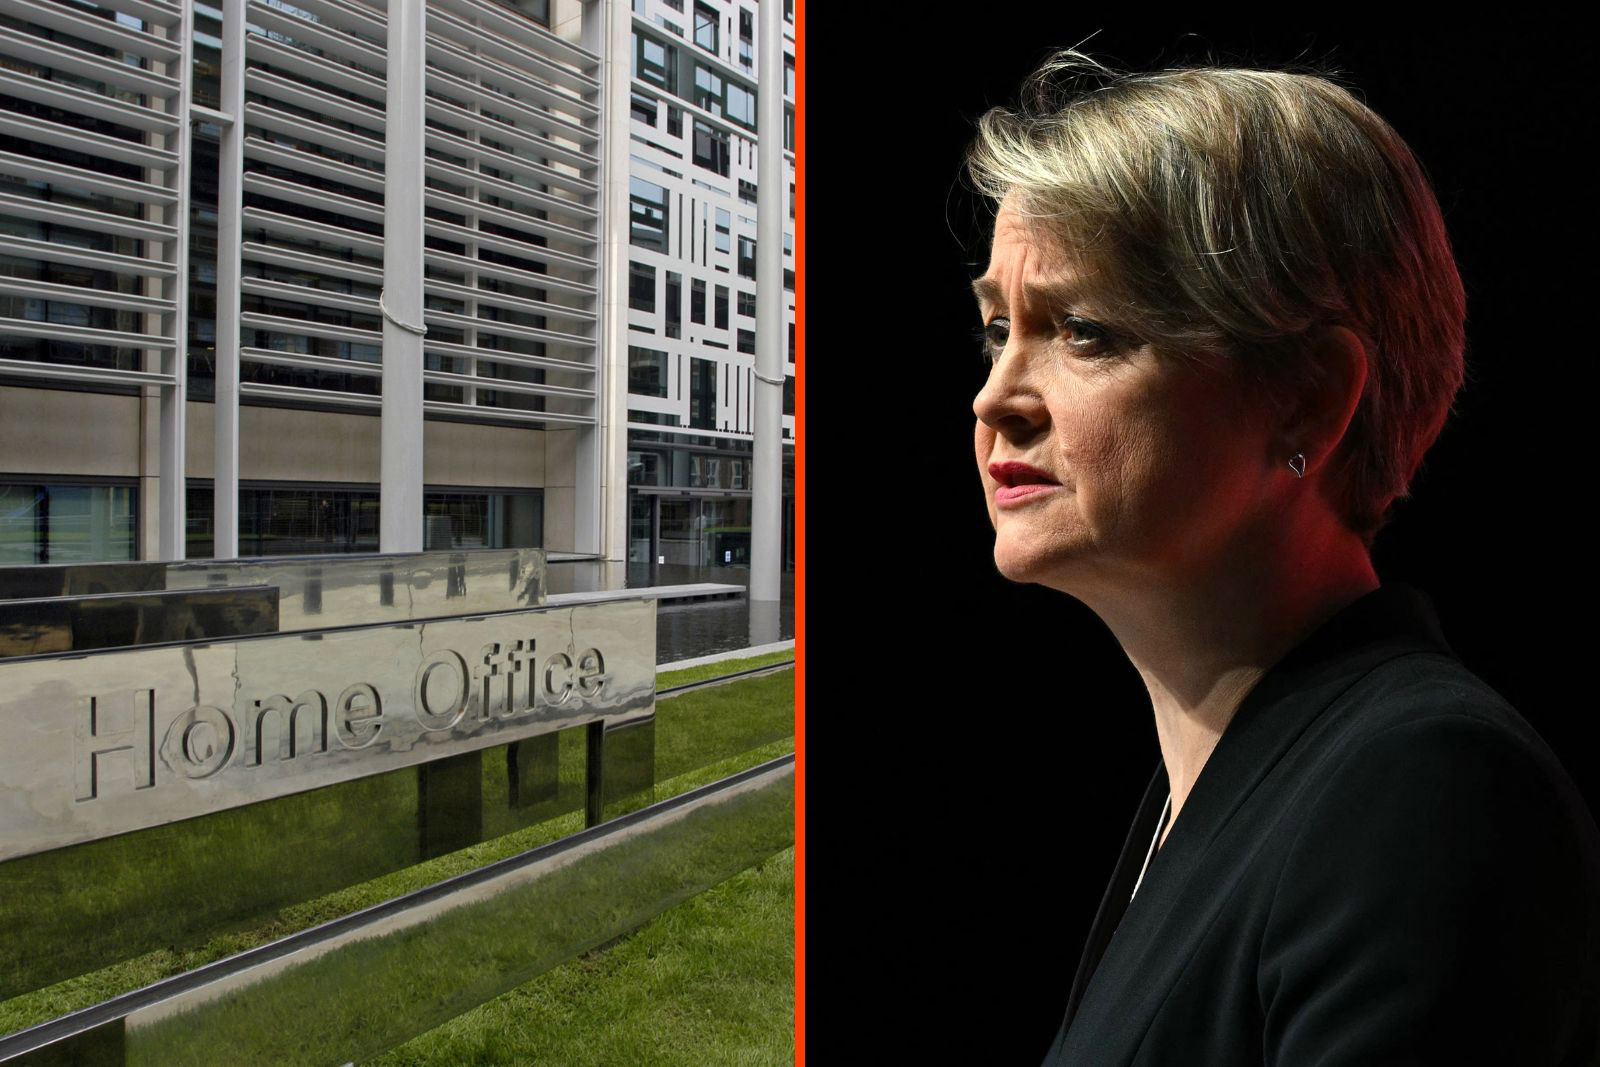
x=1100 y=458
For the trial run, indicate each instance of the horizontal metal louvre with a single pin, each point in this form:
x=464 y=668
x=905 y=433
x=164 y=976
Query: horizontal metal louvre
x=57 y=16
x=16 y=368
x=512 y=171
x=485 y=269
x=459 y=72
x=313 y=207
x=90 y=144
x=22 y=166
x=273 y=223
x=444 y=348
x=78 y=294
x=57 y=252
x=88 y=65
x=83 y=102
x=91 y=192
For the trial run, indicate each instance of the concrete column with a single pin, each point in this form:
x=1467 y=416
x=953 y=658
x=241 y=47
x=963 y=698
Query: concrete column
x=766 y=519
x=400 y=480
x=176 y=359
x=230 y=234
x=602 y=487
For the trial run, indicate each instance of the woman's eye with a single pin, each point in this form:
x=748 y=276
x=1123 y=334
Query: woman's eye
x=1084 y=335
x=993 y=337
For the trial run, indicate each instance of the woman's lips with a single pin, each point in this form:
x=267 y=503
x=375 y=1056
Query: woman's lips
x=1016 y=482
x=1016 y=494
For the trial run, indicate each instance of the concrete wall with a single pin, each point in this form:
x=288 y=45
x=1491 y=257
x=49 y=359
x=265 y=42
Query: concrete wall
x=49 y=433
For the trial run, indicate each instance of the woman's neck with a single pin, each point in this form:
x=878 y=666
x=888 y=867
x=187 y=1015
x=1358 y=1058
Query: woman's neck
x=1202 y=643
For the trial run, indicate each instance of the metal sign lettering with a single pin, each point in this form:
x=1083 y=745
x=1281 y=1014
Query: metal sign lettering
x=116 y=741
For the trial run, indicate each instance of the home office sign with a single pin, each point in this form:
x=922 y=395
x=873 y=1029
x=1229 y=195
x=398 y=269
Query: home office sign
x=104 y=743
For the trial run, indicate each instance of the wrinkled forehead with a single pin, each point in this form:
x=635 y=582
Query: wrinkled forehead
x=1033 y=252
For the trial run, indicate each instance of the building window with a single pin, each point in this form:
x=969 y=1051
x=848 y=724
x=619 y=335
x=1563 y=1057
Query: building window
x=747 y=257
x=483 y=520
x=647 y=371
x=791 y=342
x=702 y=393
x=705 y=28
x=674 y=309
x=791 y=200
x=675 y=120
x=722 y=307
x=707 y=90
x=747 y=305
x=697 y=301
x=644 y=109
x=747 y=192
x=724 y=228
x=641 y=287
x=741 y=105
x=747 y=36
x=788 y=77
x=655 y=62
x=747 y=342
x=648 y=212
x=788 y=279
x=297 y=520
x=676 y=5
x=537 y=10
x=67 y=523
x=788 y=395
x=788 y=129
x=710 y=147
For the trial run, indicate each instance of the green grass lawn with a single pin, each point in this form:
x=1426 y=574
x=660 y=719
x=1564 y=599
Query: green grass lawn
x=667 y=678
x=709 y=982
x=702 y=736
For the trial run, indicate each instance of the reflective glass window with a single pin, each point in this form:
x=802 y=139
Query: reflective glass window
x=702 y=393
x=705 y=27
x=674 y=304
x=707 y=90
x=641 y=287
x=67 y=523
x=647 y=215
x=710 y=148
x=655 y=62
x=647 y=371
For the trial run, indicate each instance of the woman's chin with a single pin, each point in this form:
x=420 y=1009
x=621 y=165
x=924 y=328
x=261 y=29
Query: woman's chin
x=1021 y=564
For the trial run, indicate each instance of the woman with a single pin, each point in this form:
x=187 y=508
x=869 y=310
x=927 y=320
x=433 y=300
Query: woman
x=1225 y=325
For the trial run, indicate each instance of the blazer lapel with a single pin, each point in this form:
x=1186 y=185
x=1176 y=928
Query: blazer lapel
x=1120 y=976
x=1126 y=873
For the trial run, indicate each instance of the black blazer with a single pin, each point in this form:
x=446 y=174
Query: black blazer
x=1381 y=863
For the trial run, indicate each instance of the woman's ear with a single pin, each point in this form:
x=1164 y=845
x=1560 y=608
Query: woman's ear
x=1324 y=414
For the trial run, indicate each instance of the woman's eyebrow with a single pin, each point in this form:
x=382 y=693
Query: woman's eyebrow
x=988 y=291
x=1046 y=294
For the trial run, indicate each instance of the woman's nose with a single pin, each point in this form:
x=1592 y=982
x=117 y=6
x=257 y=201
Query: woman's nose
x=1010 y=402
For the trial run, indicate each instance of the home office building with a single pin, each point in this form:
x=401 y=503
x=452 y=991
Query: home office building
x=195 y=201
x=692 y=293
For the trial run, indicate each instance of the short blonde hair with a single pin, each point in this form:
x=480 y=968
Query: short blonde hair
x=1232 y=212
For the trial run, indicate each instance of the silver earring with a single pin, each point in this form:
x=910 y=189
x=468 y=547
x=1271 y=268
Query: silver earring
x=1297 y=463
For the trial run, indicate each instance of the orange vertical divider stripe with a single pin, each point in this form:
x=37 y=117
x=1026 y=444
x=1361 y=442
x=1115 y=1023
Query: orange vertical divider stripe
x=799 y=529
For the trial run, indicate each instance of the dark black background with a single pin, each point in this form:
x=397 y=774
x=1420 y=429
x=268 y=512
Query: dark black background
x=976 y=750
